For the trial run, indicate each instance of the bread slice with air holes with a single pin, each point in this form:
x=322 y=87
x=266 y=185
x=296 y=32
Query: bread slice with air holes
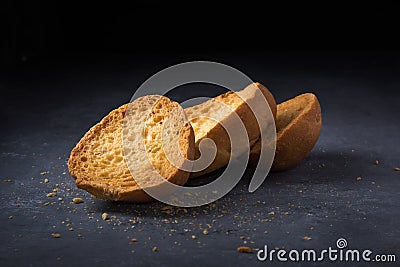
x=298 y=126
x=97 y=162
x=207 y=128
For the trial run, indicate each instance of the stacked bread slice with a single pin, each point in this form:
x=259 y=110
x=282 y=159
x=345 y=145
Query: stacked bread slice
x=98 y=162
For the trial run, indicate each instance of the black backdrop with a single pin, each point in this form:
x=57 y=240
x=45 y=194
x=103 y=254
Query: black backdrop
x=32 y=29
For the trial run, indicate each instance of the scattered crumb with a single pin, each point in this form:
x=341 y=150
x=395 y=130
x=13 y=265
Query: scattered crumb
x=205 y=232
x=376 y=162
x=155 y=249
x=10 y=217
x=56 y=235
x=265 y=232
x=306 y=238
x=133 y=240
x=104 y=216
x=372 y=182
x=194 y=237
x=271 y=213
x=397 y=169
x=359 y=179
x=309 y=214
x=242 y=237
x=58 y=258
x=77 y=200
x=7 y=180
x=52 y=194
x=244 y=249
x=46 y=180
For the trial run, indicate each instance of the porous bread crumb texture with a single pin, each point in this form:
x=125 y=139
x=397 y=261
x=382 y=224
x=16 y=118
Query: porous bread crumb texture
x=212 y=108
x=221 y=109
x=162 y=134
x=97 y=162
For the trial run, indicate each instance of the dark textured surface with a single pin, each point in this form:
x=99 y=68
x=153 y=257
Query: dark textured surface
x=47 y=106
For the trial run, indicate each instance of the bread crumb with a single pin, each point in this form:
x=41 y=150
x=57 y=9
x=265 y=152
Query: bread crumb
x=397 y=169
x=271 y=213
x=56 y=235
x=359 y=179
x=376 y=162
x=77 y=200
x=194 y=237
x=244 y=249
x=7 y=180
x=306 y=238
x=133 y=240
x=205 y=232
x=46 y=180
x=155 y=249
x=52 y=194
x=167 y=207
x=10 y=217
x=104 y=216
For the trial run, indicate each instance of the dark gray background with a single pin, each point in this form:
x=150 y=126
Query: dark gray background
x=47 y=106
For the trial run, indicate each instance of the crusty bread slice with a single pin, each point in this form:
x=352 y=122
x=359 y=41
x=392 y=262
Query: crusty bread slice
x=98 y=162
x=298 y=126
x=212 y=128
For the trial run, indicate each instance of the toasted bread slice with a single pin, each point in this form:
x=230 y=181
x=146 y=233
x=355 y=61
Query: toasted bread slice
x=212 y=128
x=298 y=126
x=98 y=162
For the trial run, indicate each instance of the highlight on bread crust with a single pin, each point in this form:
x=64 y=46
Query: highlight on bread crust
x=298 y=126
x=204 y=127
x=98 y=161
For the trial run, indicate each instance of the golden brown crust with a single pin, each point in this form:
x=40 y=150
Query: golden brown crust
x=218 y=133
x=119 y=185
x=269 y=97
x=298 y=125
